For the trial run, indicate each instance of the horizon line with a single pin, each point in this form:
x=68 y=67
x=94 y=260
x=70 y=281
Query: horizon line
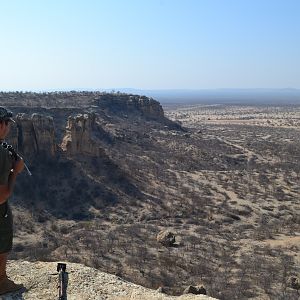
x=146 y=89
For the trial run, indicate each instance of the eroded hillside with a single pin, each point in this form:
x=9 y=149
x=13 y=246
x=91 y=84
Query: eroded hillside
x=120 y=173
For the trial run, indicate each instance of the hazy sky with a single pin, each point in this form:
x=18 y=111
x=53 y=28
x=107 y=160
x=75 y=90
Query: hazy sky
x=149 y=44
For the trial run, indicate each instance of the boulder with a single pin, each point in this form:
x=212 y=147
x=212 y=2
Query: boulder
x=295 y=283
x=166 y=238
x=196 y=290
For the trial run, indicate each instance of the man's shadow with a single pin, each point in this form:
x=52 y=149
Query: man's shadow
x=14 y=296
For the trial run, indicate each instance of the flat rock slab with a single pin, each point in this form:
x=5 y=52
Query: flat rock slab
x=84 y=283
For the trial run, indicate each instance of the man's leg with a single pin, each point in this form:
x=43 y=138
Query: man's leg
x=3 y=260
x=6 y=285
x=6 y=236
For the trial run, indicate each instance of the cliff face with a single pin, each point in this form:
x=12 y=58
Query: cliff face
x=43 y=127
x=148 y=107
x=118 y=102
x=79 y=136
x=33 y=134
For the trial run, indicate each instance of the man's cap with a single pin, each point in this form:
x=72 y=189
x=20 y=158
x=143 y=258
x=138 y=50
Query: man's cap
x=6 y=115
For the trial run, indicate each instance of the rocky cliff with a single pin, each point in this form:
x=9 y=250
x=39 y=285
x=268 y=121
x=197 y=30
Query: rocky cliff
x=45 y=120
x=130 y=103
x=33 y=134
x=79 y=137
x=118 y=102
x=40 y=280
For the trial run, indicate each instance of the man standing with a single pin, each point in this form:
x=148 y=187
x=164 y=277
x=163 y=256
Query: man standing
x=9 y=169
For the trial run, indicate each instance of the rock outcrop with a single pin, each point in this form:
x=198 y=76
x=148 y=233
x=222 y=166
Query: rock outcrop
x=148 y=107
x=80 y=136
x=27 y=142
x=34 y=131
x=33 y=134
x=43 y=127
x=84 y=283
x=118 y=102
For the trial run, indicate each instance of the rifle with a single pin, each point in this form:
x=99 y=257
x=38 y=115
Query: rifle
x=62 y=281
x=14 y=154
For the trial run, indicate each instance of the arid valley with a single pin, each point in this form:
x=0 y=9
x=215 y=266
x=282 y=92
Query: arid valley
x=260 y=183
x=111 y=171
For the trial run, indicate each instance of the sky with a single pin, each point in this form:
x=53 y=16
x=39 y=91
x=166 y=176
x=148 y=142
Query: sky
x=149 y=44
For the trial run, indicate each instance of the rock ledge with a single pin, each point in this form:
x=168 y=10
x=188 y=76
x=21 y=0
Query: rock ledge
x=40 y=279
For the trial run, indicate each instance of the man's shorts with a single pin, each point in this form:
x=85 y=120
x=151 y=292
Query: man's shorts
x=6 y=228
